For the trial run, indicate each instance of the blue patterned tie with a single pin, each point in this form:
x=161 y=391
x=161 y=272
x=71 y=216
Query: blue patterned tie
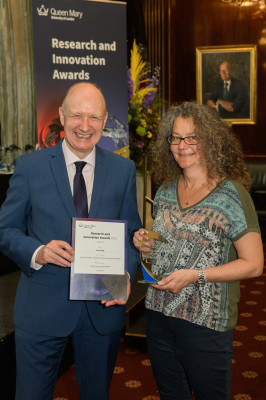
x=79 y=191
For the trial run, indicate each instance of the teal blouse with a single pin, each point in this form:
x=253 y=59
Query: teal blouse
x=200 y=236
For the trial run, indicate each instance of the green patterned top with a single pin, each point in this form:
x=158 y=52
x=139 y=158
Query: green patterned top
x=200 y=236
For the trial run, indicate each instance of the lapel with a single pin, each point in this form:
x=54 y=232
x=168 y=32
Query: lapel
x=232 y=85
x=99 y=181
x=58 y=166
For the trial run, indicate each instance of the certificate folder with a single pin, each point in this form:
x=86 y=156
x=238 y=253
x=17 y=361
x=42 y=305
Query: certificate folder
x=100 y=259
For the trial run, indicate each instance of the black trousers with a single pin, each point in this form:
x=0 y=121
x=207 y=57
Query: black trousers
x=188 y=358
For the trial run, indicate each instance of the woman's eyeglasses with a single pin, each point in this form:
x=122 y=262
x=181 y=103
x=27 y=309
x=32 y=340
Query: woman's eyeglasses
x=177 y=139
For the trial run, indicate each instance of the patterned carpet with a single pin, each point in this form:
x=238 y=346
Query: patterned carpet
x=133 y=378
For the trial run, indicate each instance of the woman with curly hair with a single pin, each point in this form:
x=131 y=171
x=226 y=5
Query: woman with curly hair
x=211 y=241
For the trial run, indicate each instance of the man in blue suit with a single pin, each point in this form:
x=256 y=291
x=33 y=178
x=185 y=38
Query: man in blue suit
x=229 y=96
x=35 y=232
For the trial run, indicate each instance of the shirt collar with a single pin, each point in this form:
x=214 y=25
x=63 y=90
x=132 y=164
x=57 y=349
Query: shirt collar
x=70 y=157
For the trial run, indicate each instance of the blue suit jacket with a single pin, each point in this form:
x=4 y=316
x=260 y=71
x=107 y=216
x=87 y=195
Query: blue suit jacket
x=38 y=209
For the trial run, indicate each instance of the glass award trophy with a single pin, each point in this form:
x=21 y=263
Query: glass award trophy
x=148 y=250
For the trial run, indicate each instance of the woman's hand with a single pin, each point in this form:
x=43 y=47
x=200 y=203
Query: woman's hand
x=177 y=280
x=142 y=242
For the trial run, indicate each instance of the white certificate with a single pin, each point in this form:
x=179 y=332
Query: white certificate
x=99 y=246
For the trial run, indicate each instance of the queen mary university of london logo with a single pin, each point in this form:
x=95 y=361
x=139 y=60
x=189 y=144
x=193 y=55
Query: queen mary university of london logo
x=42 y=11
x=67 y=15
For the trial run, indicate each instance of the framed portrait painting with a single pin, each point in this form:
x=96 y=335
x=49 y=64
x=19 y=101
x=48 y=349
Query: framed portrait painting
x=226 y=80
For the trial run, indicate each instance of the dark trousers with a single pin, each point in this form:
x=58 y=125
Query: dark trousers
x=38 y=358
x=188 y=358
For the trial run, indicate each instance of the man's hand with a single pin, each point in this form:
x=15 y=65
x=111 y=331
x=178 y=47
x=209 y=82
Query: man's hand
x=226 y=105
x=211 y=104
x=55 y=252
x=118 y=302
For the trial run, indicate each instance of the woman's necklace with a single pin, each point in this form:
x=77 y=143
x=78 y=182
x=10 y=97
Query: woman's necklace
x=185 y=187
x=186 y=202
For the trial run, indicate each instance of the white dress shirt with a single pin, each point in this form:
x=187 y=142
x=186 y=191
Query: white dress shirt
x=228 y=84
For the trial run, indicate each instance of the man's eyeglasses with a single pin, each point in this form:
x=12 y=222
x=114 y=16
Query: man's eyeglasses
x=177 y=139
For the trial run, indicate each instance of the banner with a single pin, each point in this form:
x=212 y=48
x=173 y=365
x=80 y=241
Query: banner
x=76 y=40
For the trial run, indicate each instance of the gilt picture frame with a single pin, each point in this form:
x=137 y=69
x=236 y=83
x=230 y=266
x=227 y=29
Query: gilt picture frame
x=236 y=65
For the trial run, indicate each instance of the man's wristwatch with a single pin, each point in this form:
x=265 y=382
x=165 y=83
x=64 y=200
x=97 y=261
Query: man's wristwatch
x=202 y=277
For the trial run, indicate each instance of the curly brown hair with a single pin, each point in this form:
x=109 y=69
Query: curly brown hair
x=221 y=149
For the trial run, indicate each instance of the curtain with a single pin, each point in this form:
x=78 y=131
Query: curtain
x=17 y=94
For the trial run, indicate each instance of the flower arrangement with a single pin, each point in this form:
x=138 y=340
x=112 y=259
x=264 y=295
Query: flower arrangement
x=143 y=105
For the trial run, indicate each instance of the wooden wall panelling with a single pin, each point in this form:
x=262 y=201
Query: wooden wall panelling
x=175 y=28
x=157 y=27
x=214 y=23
